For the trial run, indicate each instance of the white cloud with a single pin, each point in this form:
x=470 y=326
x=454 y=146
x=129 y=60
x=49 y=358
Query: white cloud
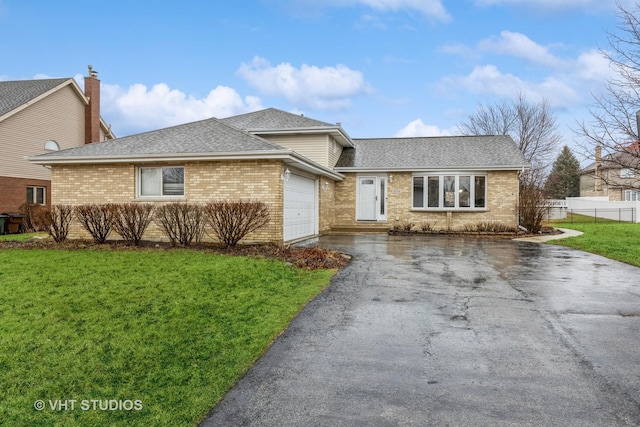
x=488 y=80
x=419 y=128
x=430 y=8
x=327 y=88
x=588 y=5
x=521 y=46
x=138 y=108
x=593 y=66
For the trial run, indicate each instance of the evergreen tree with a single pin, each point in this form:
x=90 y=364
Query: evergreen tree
x=564 y=179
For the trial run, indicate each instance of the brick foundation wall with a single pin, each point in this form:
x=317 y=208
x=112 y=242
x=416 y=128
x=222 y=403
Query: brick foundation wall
x=502 y=203
x=204 y=182
x=13 y=192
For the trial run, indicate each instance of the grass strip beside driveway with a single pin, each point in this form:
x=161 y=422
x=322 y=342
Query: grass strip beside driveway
x=615 y=240
x=171 y=329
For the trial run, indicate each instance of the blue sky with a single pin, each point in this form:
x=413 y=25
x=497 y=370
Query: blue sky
x=381 y=68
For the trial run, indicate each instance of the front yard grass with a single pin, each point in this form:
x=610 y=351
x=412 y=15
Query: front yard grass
x=22 y=237
x=172 y=329
x=615 y=240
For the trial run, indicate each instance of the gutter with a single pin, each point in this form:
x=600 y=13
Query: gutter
x=433 y=169
x=286 y=155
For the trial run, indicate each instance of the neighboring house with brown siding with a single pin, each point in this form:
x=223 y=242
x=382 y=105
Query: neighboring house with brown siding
x=614 y=175
x=39 y=116
x=314 y=178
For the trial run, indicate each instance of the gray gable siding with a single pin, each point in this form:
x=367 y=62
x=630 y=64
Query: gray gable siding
x=14 y=94
x=456 y=152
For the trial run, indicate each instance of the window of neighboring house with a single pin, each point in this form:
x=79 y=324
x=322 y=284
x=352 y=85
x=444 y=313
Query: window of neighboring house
x=627 y=173
x=449 y=191
x=631 y=195
x=36 y=195
x=161 y=181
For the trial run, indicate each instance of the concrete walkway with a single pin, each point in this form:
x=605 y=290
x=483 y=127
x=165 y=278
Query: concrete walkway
x=566 y=232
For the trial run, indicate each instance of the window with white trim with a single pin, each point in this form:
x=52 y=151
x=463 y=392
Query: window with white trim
x=627 y=173
x=161 y=181
x=36 y=195
x=449 y=191
x=632 y=195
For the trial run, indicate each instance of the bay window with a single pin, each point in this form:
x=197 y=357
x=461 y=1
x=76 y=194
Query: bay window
x=449 y=191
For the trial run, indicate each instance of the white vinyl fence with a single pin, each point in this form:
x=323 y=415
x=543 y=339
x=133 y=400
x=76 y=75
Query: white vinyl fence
x=600 y=207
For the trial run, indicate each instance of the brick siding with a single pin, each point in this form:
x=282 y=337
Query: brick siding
x=204 y=182
x=502 y=203
x=13 y=192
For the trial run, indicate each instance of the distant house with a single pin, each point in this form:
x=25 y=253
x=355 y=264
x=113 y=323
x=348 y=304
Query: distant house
x=615 y=175
x=40 y=116
x=312 y=175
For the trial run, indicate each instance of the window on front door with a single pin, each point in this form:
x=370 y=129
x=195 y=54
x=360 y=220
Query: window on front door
x=372 y=198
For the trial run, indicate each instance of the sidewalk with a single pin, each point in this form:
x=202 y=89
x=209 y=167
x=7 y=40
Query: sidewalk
x=566 y=232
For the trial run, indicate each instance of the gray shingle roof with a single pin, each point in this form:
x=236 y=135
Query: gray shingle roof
x=454 y=152
x=13 y=94
x=274 y=119
x=205 y=136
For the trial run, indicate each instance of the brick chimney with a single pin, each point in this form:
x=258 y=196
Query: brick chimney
x=597 y=170
x=92 y=111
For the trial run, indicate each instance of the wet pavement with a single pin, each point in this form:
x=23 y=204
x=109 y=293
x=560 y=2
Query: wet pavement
x=454 y=331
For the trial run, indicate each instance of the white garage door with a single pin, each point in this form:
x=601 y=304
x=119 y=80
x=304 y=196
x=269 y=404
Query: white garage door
x=300 y=208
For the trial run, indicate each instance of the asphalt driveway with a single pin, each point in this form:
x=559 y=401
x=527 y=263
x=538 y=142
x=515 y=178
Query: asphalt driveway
x=454 y=332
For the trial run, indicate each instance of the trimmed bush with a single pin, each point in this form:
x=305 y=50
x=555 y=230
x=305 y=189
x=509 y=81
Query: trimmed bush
x=131 y=220
x=57 y=221
x=96 y=219
x=231 y=221
x=182 y=223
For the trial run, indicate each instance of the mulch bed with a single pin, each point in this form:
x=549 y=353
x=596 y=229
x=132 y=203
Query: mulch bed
x=304 y=257
x=485 y=235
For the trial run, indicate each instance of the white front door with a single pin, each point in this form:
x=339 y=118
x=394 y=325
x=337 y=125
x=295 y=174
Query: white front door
x=372 y=198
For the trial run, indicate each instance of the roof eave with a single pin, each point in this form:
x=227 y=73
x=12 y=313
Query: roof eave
x=285 y=155
x=442 y=169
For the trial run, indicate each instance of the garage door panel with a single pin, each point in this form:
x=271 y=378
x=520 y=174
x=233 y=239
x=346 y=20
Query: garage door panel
x=300 y=207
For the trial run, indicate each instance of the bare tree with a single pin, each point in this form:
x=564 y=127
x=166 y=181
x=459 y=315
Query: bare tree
x=531 y=125
x=614 y=126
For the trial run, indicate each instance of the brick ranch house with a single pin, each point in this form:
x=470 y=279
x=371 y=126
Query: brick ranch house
x=39 y=116
x=312 y=175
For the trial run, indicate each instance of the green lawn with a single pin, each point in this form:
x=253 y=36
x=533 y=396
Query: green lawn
x=20 y=237
x=615 y=240
x=173 y=330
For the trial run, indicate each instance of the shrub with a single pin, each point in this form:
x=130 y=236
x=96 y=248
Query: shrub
x=181 y=222
x=427 y=226
x=57 y=221
x=131 y=220
x=488 y=227
x=96 y=219
x=231 y=221
x=407 y=226
x=33 y=217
